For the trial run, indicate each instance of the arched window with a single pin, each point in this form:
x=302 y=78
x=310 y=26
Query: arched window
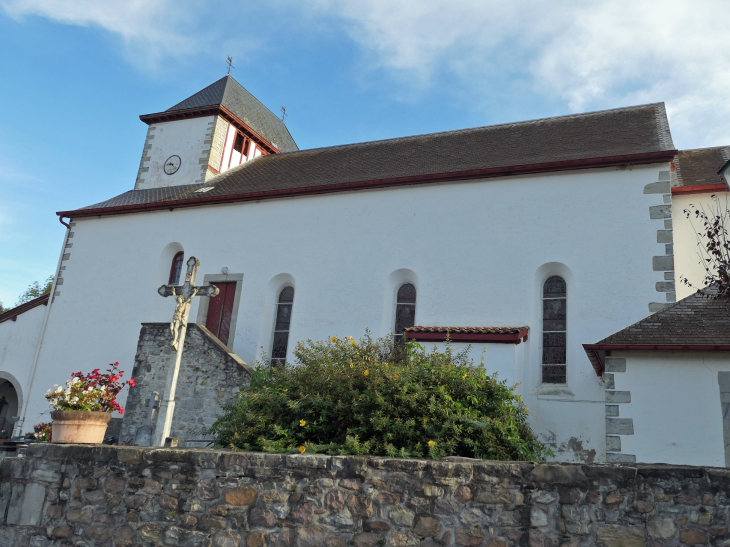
x=554 y=326
x=405 y=310
x=176 y=268
x=281 y=329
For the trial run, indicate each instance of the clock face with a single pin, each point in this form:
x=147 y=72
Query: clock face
x=172 y=164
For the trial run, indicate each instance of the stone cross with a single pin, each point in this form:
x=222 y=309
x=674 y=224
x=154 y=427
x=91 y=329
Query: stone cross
x=143 y=437
x=184 y=295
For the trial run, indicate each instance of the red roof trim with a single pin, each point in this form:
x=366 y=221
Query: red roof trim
x=198 y=112
x=513 y=338
x=597 y=352
x=654 y=347
x=634 y=159
x=597 y=359
x=699 y=189
x=15 y=312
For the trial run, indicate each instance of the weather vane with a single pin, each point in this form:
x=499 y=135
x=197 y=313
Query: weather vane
x=283 y=113
x=230 y=64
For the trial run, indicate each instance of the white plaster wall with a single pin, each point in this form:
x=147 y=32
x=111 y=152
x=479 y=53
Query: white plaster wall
x=499 y=358
x=675 y=406
x=18 y=345
x=480 y=250
x=184 y=138
x=686 y=260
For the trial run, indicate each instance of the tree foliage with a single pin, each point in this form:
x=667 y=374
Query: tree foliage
x=35 y=290
x=375 y=397
x=713 y=246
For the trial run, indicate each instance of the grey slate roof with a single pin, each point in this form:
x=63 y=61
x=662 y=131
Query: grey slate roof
x=700 y=166
x=609 y=133
x=693 y=321
x=150 y=195
x=229 y=93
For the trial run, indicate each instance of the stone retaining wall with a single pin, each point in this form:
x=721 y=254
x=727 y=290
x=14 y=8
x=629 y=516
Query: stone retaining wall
x=63 y=495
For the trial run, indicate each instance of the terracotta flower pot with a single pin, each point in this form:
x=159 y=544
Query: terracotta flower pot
x=79 y=426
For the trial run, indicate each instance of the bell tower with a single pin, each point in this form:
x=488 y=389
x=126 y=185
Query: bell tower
x=214 y=130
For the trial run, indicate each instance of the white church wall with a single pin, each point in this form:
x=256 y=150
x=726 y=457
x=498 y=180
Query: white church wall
x=18 y=344
x=674 y=405
x=686 y=260
x=183 y=138
x=499 y=358
x=478 y=249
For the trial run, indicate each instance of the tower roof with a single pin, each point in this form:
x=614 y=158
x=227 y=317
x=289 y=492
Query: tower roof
x=231 y=95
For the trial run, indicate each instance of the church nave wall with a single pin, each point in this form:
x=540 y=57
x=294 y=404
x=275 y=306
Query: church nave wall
x=474 y=247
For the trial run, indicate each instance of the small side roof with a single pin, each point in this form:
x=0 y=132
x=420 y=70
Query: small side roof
x=499 y=335
x=228 y=93
x=27 y=306
x=695 y=323
x=699 y=167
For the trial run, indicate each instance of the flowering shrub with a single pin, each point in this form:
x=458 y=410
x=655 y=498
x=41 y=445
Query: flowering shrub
x=41 y=432
x=375 y=397
x=95 y=391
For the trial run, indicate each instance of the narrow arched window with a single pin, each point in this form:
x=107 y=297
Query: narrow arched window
x=281 y=329
x=176 y=268
x=405 y=310
x=554 y=327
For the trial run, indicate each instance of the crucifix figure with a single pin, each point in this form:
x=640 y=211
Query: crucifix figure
x=184 y=295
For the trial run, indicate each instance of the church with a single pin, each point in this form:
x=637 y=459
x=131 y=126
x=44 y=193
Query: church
x=554 y=247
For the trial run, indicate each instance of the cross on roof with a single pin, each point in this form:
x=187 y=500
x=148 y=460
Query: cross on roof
x=230 y=64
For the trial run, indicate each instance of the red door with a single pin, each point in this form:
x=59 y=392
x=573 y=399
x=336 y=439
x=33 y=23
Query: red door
x=220 y=309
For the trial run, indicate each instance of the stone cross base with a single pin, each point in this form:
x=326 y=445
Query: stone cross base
x=209 y=374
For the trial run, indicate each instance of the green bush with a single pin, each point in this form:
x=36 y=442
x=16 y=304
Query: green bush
x=377 y=397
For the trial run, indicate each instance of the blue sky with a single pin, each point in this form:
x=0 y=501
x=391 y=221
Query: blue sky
x=75 y=76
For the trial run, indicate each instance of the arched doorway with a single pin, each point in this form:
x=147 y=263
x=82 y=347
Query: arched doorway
x=9 y=405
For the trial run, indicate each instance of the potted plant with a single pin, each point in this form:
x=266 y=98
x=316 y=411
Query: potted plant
x=4 y=436
x=41 y=433
x=82 y=410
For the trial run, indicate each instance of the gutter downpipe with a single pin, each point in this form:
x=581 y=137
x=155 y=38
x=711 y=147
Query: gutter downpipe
x=18 y=429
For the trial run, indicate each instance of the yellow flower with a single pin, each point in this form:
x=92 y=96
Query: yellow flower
x=287 y=389
x=302 y=423
x=425 y=420
x=353 y=342
x=334 y=339
x=351 y=365
x=463 y=377
x=431 y=443
x=302 y=450
x=366 y=372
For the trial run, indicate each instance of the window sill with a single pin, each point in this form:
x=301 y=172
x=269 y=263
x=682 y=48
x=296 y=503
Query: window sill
x=548 y=391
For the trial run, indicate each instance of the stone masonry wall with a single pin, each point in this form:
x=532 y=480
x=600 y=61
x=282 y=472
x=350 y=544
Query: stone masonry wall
x=209 y=374
x=63 y=496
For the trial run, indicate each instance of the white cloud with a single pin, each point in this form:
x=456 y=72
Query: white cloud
x=586 y=53
x=590 y=54
x=150 y=30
